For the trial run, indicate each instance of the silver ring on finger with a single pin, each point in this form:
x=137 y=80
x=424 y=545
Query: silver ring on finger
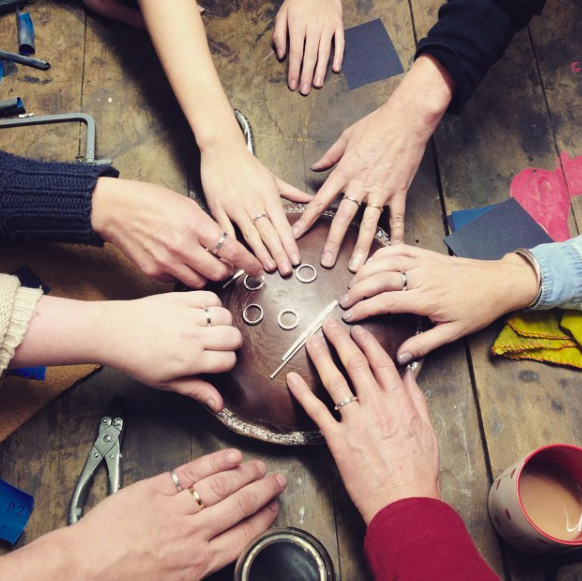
x=375 y=205
x=208 y=317
x=345 y=402
x=196 y=497
x=176 y=481
x=219 y=244
x=404 y=281
x=259 y=217
x=350 y=199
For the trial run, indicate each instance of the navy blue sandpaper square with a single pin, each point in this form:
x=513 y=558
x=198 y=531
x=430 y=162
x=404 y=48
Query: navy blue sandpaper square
x=503 y=229
x=369 y=55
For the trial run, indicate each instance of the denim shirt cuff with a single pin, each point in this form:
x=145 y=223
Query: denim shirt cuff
x=561 y=269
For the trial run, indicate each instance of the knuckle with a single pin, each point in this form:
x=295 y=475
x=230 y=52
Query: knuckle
x=387 y=302
x=396 y=220
x=337 y=383
x=369 y=224
x=220 y=486
x=356 y=362
x=247 y=503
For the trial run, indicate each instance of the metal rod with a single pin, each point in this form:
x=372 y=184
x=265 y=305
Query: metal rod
x=25 y=60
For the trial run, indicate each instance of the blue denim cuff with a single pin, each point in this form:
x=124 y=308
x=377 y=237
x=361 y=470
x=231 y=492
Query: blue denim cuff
x=561 y=269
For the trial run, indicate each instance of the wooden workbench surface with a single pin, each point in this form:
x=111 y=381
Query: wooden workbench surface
x=488 y=413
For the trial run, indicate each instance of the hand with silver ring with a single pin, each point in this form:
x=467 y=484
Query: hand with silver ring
x=387 y=417
x=240 y=190
x=165 y=534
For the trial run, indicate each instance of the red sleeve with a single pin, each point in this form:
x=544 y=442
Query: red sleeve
x=421 y=538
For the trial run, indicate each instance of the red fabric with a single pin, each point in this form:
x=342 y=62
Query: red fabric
x=416 y=539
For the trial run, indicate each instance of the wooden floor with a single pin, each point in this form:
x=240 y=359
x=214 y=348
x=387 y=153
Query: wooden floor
x=488 y=413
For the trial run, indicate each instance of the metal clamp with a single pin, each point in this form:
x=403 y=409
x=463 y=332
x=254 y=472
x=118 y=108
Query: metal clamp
x=290 y=326
x=303 y=279
x=65 y=118
x=253 y=321
x=250 y=287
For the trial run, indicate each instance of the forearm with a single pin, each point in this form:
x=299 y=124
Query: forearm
x=50 y=558
x=178 y=34
x=62 y=332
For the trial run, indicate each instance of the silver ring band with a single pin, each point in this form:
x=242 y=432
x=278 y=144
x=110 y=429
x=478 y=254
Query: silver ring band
x=350 y=199
x=259 y=217
x=375 y=205
x=253 y=321
x=345 y=402
x=252 y=278
x=219 y=244
x=176 y=481
x=208 y=317
x=290 y=326
x=404 y=281
x=304 y=279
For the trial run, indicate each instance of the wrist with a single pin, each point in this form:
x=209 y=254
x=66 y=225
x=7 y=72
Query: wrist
x=425 y=92
x=521 y=282
x=386 y=498
x=103 y=204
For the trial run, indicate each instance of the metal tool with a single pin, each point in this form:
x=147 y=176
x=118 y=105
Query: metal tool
x=246 y=129
x=107 y=447
x=25 y=60
x=234 y=277
x=64 y=118
x=311 y=330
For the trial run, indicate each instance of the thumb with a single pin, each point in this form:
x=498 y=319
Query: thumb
x=420 y=345
x=199 y=390
x=332 y=155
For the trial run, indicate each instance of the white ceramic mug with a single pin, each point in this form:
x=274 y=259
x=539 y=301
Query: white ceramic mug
x=535 y=505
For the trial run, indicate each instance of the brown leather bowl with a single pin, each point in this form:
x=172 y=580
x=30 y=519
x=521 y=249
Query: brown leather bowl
x=263 y=408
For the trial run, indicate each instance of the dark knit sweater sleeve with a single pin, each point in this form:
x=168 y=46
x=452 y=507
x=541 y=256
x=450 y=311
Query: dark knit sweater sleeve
x=48 y=201
x=421 y=538
x=470 y=37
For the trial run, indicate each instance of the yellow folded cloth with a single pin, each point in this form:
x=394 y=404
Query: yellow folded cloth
x=553 y=336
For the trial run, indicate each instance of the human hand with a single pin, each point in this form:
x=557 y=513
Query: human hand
x=377 y=159
x=117 y=11
x=239 y=189
x=151 y=531
x=459 y=295
x=311 y=28
x=384 y=444
x=167 y=235
x=165 y=341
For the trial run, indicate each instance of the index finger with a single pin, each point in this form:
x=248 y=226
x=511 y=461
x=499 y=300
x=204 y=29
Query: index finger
x=397 y=210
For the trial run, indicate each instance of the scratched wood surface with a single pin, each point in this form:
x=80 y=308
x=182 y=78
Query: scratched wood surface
x=525 y=113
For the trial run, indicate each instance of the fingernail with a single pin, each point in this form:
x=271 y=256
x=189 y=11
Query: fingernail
x=318 y=82
x=327 y=259
x=281 y=480
x=233 y=457
x=404 y=358
x=279 y=53
x=274 y=506
x=355 y=264
x=344 y=300
x=305 y=89
x=292 y=84
x=295 y=230
x=261 y=468
x=295 y=259
x=270 y=265
x=347 y=316
x=211 y=404
x=285 y=268
x=358 y=330
x=291 y=379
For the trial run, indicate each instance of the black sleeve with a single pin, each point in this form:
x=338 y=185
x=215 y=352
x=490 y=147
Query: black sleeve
x=471 y=35
x=48 y=201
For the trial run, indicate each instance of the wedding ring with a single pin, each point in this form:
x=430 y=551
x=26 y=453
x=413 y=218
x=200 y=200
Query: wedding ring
x=208 y=317
x=253 y=321
x=346 y=401
x=259 y=217
x=176 y=481
x=290 y=326
x=306 y=279
x=404 y=281
x=219 y=244
x=196 y=497
x=375 y=205
x=350 y=199
x=247 y=282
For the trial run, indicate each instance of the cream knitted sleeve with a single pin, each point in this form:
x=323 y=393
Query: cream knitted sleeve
x=17 y=305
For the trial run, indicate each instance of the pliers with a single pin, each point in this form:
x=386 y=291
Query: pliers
x=107 y=447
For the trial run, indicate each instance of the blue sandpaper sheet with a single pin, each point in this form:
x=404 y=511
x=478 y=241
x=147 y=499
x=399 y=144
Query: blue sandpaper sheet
x=460 y=218
x=15 y=509
x=369 y=55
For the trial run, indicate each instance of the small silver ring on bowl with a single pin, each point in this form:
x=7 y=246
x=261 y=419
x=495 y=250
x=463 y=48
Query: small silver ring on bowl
x=253 y=288
x=253 y=321
x=290 y=326
x=303 y=279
